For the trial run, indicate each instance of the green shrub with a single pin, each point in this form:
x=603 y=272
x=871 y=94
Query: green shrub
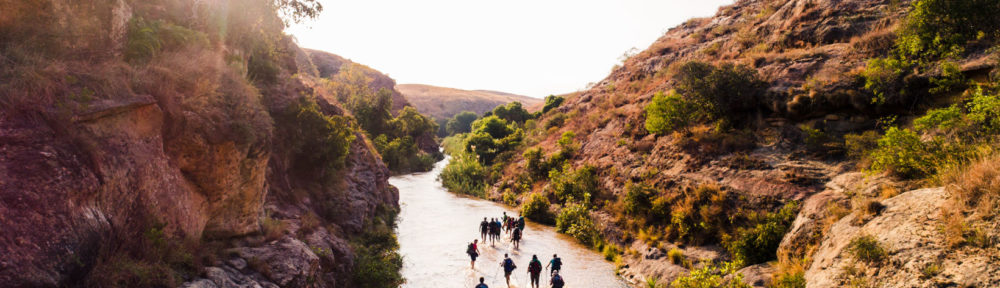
x=377 y=261
x=512 y=112
x=536 y=208
x=699 y=217
x=724 y=92
x=984 y=111
x=949 y=78
x=552 y=102
x=884 y=78
x=509 y=197
x=638 y=199
x=712 y=275
x=901 y=152
x=867 y=248
x=759 y=243
x=464 y=175
x=556 y=120
x=943 y=28
x=943 y=119
x=575 y=221
x=669 y=112
x=318 y=142
x=492 y=136
x=577 y=186
x=566 y=142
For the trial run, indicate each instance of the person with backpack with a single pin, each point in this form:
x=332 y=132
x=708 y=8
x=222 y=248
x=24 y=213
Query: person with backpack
x=508 y=267
x=534 y=270
x=556 y=264
x=557 y=281
x=516 y=237
x=473 y=251
x=484 y=227
x=482 y=283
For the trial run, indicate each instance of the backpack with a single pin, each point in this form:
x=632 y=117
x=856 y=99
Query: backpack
x=557 y=281
x=471 y=250
x=557 y=263
x=508 y=265
x=535 y=267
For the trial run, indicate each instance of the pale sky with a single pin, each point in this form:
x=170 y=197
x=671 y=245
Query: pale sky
x=528 y=47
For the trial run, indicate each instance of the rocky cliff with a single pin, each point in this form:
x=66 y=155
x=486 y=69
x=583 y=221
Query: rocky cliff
x=147 y=144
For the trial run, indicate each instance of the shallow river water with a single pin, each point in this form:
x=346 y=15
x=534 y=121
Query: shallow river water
x=436 y=226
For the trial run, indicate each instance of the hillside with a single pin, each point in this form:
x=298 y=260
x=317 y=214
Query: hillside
x=738 y=143
x=444 y=103
x=177 y=143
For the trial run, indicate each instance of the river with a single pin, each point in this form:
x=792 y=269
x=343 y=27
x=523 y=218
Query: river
x=436 y=226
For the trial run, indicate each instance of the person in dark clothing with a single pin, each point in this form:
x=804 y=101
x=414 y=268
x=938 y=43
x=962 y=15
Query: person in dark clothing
x=484 y=228
x=482 y=283
x=508 y=267
x=557 y=281
x=534 y=270
x=556 y=264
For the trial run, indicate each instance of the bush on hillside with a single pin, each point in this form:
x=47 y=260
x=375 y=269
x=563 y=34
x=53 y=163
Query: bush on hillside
x=866 y=248
x=492 y=136
x=552 y=102
x=536 y=208
x=638 y=199
x=727 y=91
x=670 y=112
x=943 y=28
x=723 y=275
x=700 y=216
x=575 y=221
x=759 y=243
x=576 y=186
x=512 y=112
x=904 y=154
x=319 y=142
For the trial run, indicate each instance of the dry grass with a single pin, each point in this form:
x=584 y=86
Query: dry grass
x=972 y=210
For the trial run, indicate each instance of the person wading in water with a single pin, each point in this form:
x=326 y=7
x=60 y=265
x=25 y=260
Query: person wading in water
x=482 y=283
x=516 y=237
x=484 y=228
x=557 y=281
x=473 y=251
x=556 y=264
x=534 y=270
x=508 y=267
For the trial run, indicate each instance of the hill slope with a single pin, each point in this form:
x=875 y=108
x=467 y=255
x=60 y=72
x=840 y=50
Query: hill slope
x=444 y=103
x=753 y=157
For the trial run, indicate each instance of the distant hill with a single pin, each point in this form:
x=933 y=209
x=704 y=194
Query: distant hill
x=443 y=103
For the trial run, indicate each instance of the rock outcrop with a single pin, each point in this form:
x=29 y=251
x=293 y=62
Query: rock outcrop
x=104 y=162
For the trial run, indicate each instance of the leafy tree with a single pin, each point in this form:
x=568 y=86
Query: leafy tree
x=575 y=221
x=319 y=142
x=461 y=123
x=491 y=136
x=943 y=28
x=638 y=199
x=579 y=186
x=726 y=91
x=411 y=123
x=536 y=208
x=670 y=112
x=512 y=112
x=759 y=243
x=552 y=102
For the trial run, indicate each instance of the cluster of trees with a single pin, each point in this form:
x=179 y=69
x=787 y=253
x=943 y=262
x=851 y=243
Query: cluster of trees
x=395 y=137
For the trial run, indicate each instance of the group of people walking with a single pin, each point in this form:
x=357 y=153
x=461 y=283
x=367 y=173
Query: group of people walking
x=492 y=228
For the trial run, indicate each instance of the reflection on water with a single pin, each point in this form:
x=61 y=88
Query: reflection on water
x=435 y=227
